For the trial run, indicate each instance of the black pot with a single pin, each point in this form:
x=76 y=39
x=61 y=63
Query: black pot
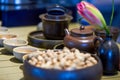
x=53 y=26
x=90 y=73
x=55 y=21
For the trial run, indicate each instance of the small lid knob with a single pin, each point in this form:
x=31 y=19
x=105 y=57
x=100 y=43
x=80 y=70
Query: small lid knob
x=82 y=27
x=81 y=32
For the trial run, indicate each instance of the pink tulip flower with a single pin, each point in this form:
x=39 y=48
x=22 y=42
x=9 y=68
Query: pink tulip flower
x=92 y=15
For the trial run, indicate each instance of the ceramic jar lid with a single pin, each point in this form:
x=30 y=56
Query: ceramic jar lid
x=81 y=32
x=56 y=10
x=56 y=18
x=56 y=13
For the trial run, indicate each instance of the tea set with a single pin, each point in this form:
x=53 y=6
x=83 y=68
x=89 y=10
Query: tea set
x=55 y=25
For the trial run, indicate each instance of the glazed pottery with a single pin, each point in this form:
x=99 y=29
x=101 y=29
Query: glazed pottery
x=108 y=52
x=20 y=51
x=5 y=35
x=10 y=44
x=54 y=22
x=82 y=39
x=32 y=72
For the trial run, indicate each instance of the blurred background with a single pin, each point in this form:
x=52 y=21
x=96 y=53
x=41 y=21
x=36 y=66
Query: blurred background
x=15 y=13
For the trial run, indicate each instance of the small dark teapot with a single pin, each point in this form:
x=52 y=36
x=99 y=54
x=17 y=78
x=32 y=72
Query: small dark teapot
x=82 y=39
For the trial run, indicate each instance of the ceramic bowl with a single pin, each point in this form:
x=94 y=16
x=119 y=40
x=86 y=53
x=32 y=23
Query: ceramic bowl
x=19 y=52
x=9 y=44
x=6 y=35
x=2 y=29
x=32 y=72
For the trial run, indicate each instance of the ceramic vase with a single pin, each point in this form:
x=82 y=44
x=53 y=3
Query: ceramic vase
x=108 y=52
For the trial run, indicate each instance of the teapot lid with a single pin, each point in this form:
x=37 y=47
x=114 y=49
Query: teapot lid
x=81 y=31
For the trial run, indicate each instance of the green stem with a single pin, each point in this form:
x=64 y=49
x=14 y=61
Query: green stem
x=107 y=30
x=111 y=19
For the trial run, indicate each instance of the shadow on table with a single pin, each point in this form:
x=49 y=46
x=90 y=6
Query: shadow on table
x=21 y=67
x=5 y=52
x=13 y=59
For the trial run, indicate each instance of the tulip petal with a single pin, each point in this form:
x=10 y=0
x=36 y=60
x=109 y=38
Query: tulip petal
x=96 y=12
x=91 y=18
x=92 y=14
x=92 y=11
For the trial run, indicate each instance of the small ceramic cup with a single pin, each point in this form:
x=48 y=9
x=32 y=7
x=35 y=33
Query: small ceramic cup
x=19 y=52
x=9 y=44
x=6 y=35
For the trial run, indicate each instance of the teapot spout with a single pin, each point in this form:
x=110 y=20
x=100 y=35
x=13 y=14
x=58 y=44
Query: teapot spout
x=67 y=32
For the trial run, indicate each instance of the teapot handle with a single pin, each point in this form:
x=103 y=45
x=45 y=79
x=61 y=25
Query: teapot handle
x=67 y=32
x=97 y=41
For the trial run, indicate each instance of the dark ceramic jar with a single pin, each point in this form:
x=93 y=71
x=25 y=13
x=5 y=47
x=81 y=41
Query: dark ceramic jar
x=108 y=51
x=82 y=39
x=54 y=22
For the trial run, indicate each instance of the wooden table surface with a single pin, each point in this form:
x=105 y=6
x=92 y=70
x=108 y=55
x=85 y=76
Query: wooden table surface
x=11 y=68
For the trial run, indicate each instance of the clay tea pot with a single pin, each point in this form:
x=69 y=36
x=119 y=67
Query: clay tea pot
x=82 y=39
